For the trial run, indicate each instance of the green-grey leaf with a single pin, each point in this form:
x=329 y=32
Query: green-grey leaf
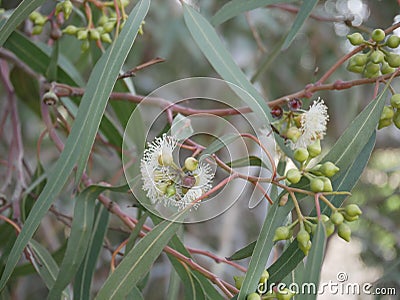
x=236 y=7
x=138 y=261
x=83 y=279
x=243 y=253
x=276 y=215
x=214 y=50
x=80 y=140
x=314 y=262
x=78 y=241
x=51 y=72
x=18 y=16
x=304 y=12
x=247 y=161
x=220 y=143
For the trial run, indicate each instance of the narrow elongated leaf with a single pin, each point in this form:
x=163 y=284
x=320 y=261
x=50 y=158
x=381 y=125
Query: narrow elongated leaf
x=135 y=232
x=314 y=262
x=304 y=12
x=138 y=261
x=236 y=7
x=276 y=215
x=247 y=161
x=51 y=72
x=220 y=143
x=83 y=279
x=243 y=253
x=173 y=286
x=18 y=16
x=78 y=241
x=212 y=47
x=81 y=138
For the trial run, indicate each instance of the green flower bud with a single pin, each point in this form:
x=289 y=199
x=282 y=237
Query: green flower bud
x=301 y=154
x=384 y=123
x=285 y=294
x=94 y=34
x=337 y=218
x=191 y=163
x=109 y=26
x=253 y=296
x=71 y=29
x=329 y=169
x=353 y=210
x=317 y=185
x=171 y=190
x=82 y=34
x=395 y=101
x=355 y=38
x=59 y=8
x=316 y=170
x=293 y=176
x=35 y=15
x=305 y=248
x=344 y=232
x=264 y=277
x=393 y=60
x=329 y=228
x=377 y=57
x=85 y=45
x=386 y=69
x=372 y=68
x=282 y=233
x=102 y=20
x=303 y=237
x=50 y=98
x=372 y=75
x=40 y=21
x=67 y=8
x=297 y=121
x=396 y=119
x=327 y=184
x=324 y=218
x=350 y=219
x=393 y=41
x=238 y=281
x=387 y=112
x=37 y=29
x=354 y=68
x=361 y=59
x=310 y=227
x=378 y=35
x=314 y=149
x=106 y=38
x=293 y=134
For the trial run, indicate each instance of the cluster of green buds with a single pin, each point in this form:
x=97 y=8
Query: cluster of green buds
x=377 y=59
x=85 y=35
x=39 y=20
x=391 y=113
x=319 y=175
x=339 y=219
x=288 y=121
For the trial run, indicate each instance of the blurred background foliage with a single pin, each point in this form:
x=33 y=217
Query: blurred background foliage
x=319 y=44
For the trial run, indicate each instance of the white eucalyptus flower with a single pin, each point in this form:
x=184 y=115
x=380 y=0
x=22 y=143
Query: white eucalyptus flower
x=313 y=124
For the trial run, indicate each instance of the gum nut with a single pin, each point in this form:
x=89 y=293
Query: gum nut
x=50 y=98
x=94 y=35
x=396 y=119
x=355 y=68
x=377 y=57
x=191 y=163
x=393 y=60
x=327 y=184
x=337 y=218
x=293 y=134
x=264 y=277
x=361 y=59
x=253 y=296
x=355 y=38
x=324 y=218
x=386 y=69
x=353 y=210
x=281 y=233
x=350 y=219
x=314 y=149
x=329 y=169
x=303 y=237
x=106 y=38
x=82 y=34
x=393 y=41
x=37 y=29
x=387 y=112
x=238 y=281
x=34 y=15
x=293 y=176
x=344 y=232
x=385 y=123
x=329 y=228
x=378 y=35
x=372 y=68
x=70 y=29
x=301 y=154
x=395 y=101
x=317 y=185
x=109 y=26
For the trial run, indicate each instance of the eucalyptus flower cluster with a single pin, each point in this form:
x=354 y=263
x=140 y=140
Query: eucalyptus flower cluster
x=391 y=113
x=377 y=59
x=168 y=184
